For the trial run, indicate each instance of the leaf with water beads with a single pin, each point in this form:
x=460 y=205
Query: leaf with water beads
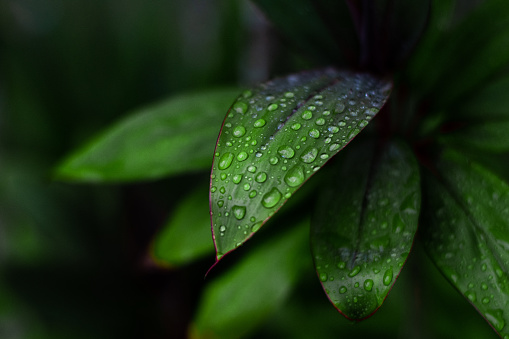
x=276 y=136
x=467 y=234
x=364 y=227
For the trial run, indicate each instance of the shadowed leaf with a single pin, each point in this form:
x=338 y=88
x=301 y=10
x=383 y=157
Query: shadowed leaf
x=467 y=236
x=278 y=135
x=364 y=227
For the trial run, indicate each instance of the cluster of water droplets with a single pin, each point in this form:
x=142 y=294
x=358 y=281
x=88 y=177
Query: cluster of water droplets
x=276 y=136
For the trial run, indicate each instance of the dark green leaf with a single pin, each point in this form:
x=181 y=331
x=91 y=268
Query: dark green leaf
x=186 y=236
x=490 y=102
x=277 y=136
x=299 y=21
x=467 y=234
x=166 y=139
x=238 y=301
x=364 y=227
x=451 y=65
x=490 y=136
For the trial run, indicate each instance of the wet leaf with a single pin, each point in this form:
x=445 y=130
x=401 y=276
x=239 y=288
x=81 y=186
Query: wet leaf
x=169 y=138
x=466 y=233
x=235 y=303
x=186 y=235
x=364 y=227
x=278 y=135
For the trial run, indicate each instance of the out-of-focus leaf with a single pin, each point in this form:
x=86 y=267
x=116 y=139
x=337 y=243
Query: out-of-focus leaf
x=238 y=301
x=166 y=139
x=467 y=234
x=278 y=135
x=452 y=65
x=364 y=227
x=299 y=21
x=489 y=136
x=186 y=236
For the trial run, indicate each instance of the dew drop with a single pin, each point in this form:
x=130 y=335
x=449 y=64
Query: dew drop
x=354 y=271
x=222 y=190
x=341 y=265
x=296 y=126
x=220 y=203
x=333 y=147
x=247 y=187
x=340 y=107
x=342 y=290
x=323 y=277
x=252 y=194
x=222 y=228
x=225 y=161
x=309 y=155
x=256 y=226
x=272 y=107
x=213 y=189
x=239 y=131
x=273 y=160
x=242 y=156
x=333 y=129
x=368 y=284
x=306 y=115
x=496 y=319
x=251 y=169
x=240 y=107
x=259 y=123
x=261 y=177
x=320 y=121
x=295 y=176
x=289 y=95
x=239 y=212
x=271 y=198
x=314 y=133
x=387 y=279
x=286 y=152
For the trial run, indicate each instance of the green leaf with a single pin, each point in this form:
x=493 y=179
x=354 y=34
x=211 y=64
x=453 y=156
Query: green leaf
x=467 y=234
x=454 y=64
x=169 y=138
x=186 y=236
x=299 y=21
x=364 y=227
x=235 y=303
x=278 y=135
x=490 y=102
x=490 y=136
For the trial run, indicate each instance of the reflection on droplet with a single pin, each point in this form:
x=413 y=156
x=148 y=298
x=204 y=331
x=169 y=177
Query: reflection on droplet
x=271 y=198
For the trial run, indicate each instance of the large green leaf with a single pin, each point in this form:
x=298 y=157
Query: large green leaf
x=235 y=303
x=488 y=136
x=169 y=138
x=467 y=234
x=278 y=135
x=364 y=227
x=186 y=236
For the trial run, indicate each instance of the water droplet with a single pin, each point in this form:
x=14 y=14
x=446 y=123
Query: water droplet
x=296 y=126
x=286 y=152
x=323 y=277
x=496 y=318
x=222 y=228
x=309 y=155
x=242 y=156
x=240 y=107
x=247 y=187
x=272 y=107
x=256 y=226
x=368 y=284
x=314 y=133
x=273 y=160
x=251 y=169
x=341 y=124
x=312 y=108
x=333 y=129
x=295 y=176
x=486 y=300
x=387 y=279
x=253 y=194
x=225 y=161
x=341 y=265
x=320 y=121
x=271 y=198
x=326 y=113
x=222 y=190
x=220 y=203
x=213 y=189
x=306 y=115
x=223 y=176
x=259 y=123
x=239 y=212
x=239 y=131
x=334 y=147
x=354 y=271
x=471 y=296
x=261 y=177
x=324 y=156
x=342 y=290
x=340 y=107
x=289 y=95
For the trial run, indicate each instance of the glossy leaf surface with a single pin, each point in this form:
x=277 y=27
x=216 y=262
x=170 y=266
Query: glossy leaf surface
x=275 y=137
x=238 y=301
x=166 y=139
x=467 y=235
x=186 y=235
x=364 y=227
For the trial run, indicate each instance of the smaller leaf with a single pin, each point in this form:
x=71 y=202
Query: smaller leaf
x=172 y=137
x=467 y=234
x=364 y=227
x=490 y=136
x=186 y=236
x=236 y=302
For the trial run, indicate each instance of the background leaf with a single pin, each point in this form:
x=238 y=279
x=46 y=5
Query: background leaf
x=235 y=303
x=467 y=236
x=488 y=136
x=186 y=236
x=278 y=135
x=166 y=139
x=364 y=227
